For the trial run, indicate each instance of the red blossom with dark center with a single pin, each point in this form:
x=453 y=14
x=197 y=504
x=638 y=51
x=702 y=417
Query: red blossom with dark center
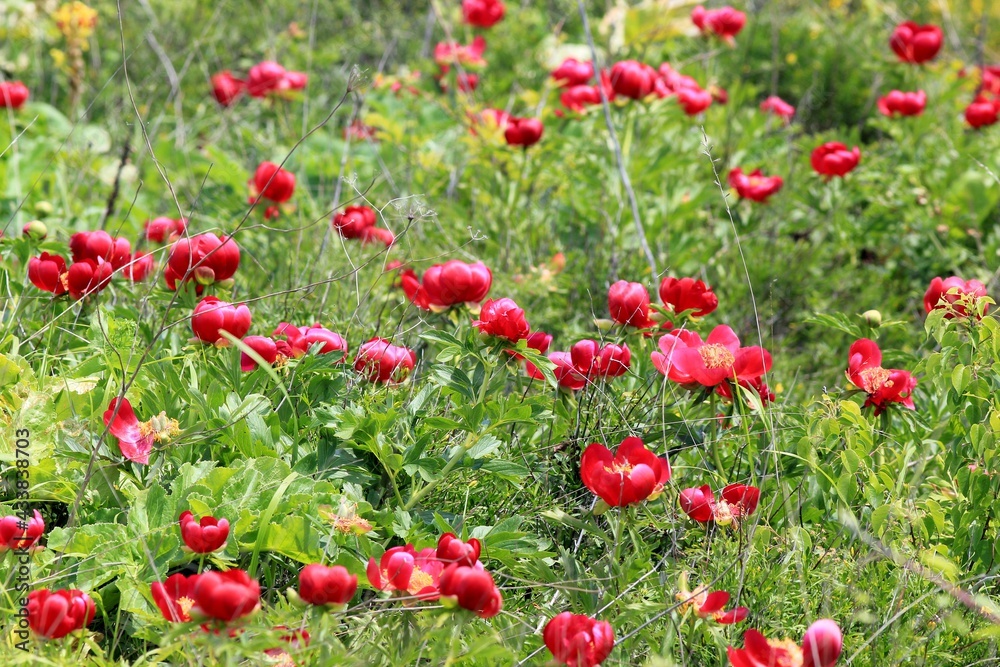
x=883 y=385
x=135 y=442
x=631 y=475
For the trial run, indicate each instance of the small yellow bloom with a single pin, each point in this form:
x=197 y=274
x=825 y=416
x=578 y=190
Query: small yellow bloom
x=75 y=20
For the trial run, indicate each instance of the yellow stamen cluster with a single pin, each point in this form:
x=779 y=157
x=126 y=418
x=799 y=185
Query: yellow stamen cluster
x=874 y=378
x=161 y=427
x=716 y=356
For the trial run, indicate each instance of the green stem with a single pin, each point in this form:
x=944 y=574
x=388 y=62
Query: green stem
x=714 y=435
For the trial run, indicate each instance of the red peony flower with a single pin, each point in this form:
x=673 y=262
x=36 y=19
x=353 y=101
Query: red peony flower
x=226 y=87
x=670 y=344
x=903 y=104
x=138 y=267
x=322 y=585
x=471 y=588
x=573 y=72
x=450 y=549
x=175 y=596
x=407 y=571
x=205 y=536
x=263 y=346
x=16 y=534
x=225 y=596
x=953 y=294
x=212 y=316
x=55 y=614
x=718 y=359
x=48 y=273
x=754 y=186
x=724 y=22
x=576 y=640
x=523 y=131
x=353 y=221
x=631 y=475
x=273 y=182
x=162 y=229
x=632 y=79
x=688 y=294
x=566 y=373
x=982 y=112
x=13 y=94
x=916 y=43
x=88 y=277
x=206 y=258
x=448 y=284
x=264 y=78
x=737 y=502
x=483 y=13
x=693 y=100
x=629 y=304
x=821 y=647
x=592 y=360
x=833 y=159
x=135 y=442
x=778 y=107
x=883 y=385
x=502 y=318
x=381 y=361
x=471 y=55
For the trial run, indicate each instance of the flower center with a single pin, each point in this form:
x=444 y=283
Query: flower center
x=185 y=604
x=419 y=580
x=788 y=653
x=724 y=514
x=873 y=379
x=716 y=356
x=694 y=600
x=619 y=468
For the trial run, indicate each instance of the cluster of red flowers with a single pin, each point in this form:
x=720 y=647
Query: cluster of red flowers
x=451 y=573
x=274 y=184
x=96 y=256
x=737 y=502
x=821 y=647
x=266 y=78
x=358 y=222
x=724 y=23
x=468 y=59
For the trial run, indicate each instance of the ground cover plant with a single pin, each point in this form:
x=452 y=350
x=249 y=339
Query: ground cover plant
x=490 y=332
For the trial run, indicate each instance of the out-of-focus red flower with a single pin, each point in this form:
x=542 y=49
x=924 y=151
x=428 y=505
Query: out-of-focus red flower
x=724 y=22
x=225 y=596
x=159 y=230
x=578 y=98
x=883 y=385
x=688 y=294
x=175 y=596
x=916 y=43
x=88 y=277
x=821 y=647
x=448 y=284
x=903 y=104
x=19 y=535
x=523 y=131
x=55 y=614
x=952 y=294
x=573 y=72
x=408 y=571
x=206 y=258
x=834 y=159
x=13 y=94
x=450 y=549
x=381 y=361
x=576 y=640
x=48 y=273
x=778 y=107
x=632 y=79
x=471 y=55
x=322 y=585
x=502 y=318
x=754 y=186
x=138 y=267
x=135 y=442
x=204 y=536
x=353 y=220
x=226 y=87
x=631 y=475
x=274 y=183
x=268 y=77
x=592 y=360
x=982 y=112
x=629 y=304
x=483 y=13
x=693 y=100
x=471 y=588
x=359 y=131
x=212 y=316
